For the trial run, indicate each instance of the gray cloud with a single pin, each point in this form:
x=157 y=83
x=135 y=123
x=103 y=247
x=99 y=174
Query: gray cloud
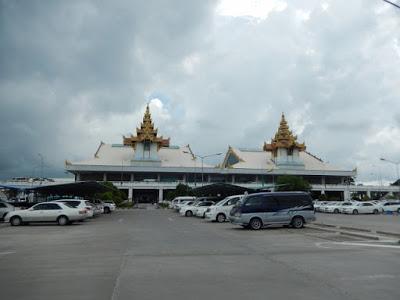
x=72 y=71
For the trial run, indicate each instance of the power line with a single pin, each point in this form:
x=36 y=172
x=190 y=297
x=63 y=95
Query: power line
x=394 y=4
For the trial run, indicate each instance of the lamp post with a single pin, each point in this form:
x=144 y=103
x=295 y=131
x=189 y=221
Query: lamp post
x=41 y=167
x=202 y=157
x=396 y=163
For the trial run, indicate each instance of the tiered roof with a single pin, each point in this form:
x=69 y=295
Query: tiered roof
x=284 y=138
x=146 y=132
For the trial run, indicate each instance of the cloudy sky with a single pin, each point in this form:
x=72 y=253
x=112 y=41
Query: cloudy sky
x=216 y=73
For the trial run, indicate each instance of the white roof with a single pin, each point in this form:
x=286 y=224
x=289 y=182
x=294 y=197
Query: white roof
x=120 y=155
x=259 y=159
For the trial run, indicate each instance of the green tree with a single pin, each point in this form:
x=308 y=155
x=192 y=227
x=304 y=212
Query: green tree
x=113 y=194
x=292 y=183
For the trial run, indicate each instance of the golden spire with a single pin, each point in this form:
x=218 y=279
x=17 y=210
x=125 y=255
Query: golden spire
x=146 y=132
x=284 y=138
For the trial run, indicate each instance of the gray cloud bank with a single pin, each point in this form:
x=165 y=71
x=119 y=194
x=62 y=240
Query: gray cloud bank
x=73 y=73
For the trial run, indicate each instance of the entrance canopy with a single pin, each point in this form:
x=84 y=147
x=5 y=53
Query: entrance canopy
x=221 y=190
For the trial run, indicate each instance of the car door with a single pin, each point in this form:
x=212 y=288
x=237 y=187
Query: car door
x=52 y=212
x=367 y=208
x=35 y=213
x=286 y=206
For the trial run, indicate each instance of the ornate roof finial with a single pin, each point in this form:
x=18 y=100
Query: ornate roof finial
x=284 y=138
x=146 y=132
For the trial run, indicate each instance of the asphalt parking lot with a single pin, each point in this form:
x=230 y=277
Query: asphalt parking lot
x=148 y=254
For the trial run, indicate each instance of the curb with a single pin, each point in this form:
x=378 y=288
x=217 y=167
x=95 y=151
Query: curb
x=388 y=233
x=370 y=237
x=355 y=229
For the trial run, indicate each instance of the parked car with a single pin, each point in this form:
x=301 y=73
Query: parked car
x=81 y=204
x=361 y=208
x=391 y=207
x=109 y=206
x=260 y=210
x=99 y=206
x=200 y=210
x=188 y=209
x=58 y=212
x=336 y=207
x=179 y=200
x=330 y=207
x=177 y=206
x=5 y=208
x=220 y=211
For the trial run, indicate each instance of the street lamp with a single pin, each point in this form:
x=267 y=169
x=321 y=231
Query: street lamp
x=202 y=157
x=41 y=167
x=396 y=163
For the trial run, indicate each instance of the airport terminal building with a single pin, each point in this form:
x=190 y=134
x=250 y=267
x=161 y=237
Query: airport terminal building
x=146 y=165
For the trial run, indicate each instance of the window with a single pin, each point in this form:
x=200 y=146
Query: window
x=232 y=201
x=293 y=201
x=367 y=204
x=72 y=203
x=254 y=201
x=40 y=206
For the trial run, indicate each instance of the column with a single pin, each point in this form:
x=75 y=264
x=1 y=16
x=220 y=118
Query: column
x=184 y=178
x=158 y=177
x=77 y=177
x=160 y=195
x=130 y=194
x=369 y=194
x=132 y=177
x=233 y=178
x=104 y=176
x=346 y=194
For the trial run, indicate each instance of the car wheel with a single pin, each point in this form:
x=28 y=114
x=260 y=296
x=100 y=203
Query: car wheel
x=255 y=224
x=355 y=212
x=189 y=213
x=376 y=211
x=16 y=221
x=221 y=218
x=62 y=220
x=107 y=210
x=336 y=211
x=298 y=222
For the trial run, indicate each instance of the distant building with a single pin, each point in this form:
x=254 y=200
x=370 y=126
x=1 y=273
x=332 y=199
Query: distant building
x=145 y=165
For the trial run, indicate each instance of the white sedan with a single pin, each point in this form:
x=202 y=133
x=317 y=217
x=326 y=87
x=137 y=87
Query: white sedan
x=220 y=211
x=391 y=207
x=58 y=212
x=189 y=209
x=202 y=207
x=361 y=208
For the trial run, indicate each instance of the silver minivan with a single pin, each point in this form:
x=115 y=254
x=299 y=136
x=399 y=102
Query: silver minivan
x=260 y=210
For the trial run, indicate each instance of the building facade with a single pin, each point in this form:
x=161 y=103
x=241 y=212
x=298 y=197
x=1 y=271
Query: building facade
x=146 y=166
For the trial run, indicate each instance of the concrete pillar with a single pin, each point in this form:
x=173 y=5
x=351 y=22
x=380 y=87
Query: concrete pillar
x=104 y=176
x=184 y=178
x=233 y=178
x=158 y=177
x=323 y=192
x=78 y=177
x=160 y=195
x=130 y=194
x=323 y=181
x=369 y=194
x=346 y=195
x=132 y=177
